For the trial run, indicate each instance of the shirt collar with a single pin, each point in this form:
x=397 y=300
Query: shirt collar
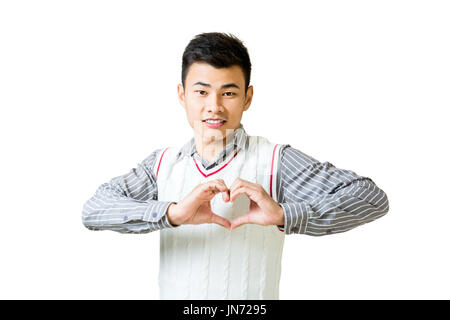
x=239 y=139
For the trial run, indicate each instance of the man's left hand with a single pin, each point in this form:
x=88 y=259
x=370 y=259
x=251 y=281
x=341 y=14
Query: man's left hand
x=263 y=209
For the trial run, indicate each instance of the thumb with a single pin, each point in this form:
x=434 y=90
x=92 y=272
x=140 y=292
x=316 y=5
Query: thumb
x=220 y=221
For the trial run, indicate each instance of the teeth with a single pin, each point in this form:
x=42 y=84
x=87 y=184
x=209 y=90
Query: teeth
x=214 y=121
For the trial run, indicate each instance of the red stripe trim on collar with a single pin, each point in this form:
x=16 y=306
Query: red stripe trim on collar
x=209 y=174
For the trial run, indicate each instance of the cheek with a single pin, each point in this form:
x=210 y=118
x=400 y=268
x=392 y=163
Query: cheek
x=194 y=116
x=236 y=114
x=193 y=110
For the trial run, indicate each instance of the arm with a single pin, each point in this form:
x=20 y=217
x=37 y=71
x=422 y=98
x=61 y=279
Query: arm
x=319 y=199
x=127 y=204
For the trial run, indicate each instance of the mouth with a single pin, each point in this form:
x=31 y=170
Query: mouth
x=214 y=123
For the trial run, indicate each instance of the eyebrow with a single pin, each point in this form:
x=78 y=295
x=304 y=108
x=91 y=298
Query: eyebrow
x=225 y=86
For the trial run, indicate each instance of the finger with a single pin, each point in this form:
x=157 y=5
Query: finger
x=240 y=221
x=235 y=193
x=222 y=187
x=250 y=192
x=226 y=196
x=210 y=190
x=236 y=183
x=221 y=221
x=241 y=182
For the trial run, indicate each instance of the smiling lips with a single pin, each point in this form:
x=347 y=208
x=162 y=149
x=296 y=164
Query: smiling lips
x=214 y=123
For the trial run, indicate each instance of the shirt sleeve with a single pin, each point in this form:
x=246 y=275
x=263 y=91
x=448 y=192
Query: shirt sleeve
x=128 y=203
x=319 y=199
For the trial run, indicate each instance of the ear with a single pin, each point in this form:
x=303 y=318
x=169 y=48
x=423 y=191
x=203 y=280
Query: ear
x=180 y=93
x=248 y=98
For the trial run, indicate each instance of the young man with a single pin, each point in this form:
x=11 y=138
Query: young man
x=224 y=200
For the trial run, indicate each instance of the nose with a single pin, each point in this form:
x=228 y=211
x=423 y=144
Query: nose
x=214 y=104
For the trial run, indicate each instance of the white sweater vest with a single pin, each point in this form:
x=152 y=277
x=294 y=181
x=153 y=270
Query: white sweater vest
x=208 y=261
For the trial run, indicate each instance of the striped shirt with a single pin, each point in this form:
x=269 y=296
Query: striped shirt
x=317 y=198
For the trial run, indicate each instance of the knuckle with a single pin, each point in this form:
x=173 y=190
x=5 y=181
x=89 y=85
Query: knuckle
x=207 y=186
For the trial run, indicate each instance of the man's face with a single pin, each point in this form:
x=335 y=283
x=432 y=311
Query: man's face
x=213 y=93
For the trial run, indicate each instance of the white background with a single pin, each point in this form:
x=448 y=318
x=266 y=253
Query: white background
x=88 y=90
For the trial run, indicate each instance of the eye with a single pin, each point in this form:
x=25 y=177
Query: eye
x=201 y=92
x=229 y=95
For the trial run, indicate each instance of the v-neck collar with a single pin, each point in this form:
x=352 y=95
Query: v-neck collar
x=238 y=142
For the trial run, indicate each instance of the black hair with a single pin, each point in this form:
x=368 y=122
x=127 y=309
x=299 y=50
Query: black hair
x=220 y=50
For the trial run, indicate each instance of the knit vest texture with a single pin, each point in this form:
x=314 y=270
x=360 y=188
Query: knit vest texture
x=208 y=261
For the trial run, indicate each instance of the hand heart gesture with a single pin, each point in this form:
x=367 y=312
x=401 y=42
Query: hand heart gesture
x=195 y=208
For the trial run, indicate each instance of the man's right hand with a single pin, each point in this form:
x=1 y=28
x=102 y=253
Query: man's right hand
x=195 y=208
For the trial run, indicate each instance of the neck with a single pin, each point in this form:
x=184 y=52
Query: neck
x=208 y=147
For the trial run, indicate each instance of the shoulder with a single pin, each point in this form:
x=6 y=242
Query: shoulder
x=165 y=154
x=157 y=155
x=149 y=162
x=296 y=157
x=263 y=143
x=288 y=155
x=272 y=148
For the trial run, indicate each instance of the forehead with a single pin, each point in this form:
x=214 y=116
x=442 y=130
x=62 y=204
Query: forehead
x=203 y=72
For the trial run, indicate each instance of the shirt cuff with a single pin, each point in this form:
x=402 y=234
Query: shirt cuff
x=296 y=216
x=156 y=213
